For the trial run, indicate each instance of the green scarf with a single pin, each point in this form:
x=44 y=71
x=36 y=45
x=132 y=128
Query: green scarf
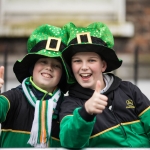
x=41 y=126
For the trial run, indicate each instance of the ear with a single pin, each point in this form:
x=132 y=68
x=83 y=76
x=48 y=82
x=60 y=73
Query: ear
x=104 y=65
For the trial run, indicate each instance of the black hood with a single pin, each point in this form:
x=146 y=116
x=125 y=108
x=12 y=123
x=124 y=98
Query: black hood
x=78 y=91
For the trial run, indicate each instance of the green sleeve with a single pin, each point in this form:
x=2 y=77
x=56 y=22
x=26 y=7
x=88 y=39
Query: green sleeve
x=4 y=107
x=74 y=131
x=145 y=119
x=142 y=104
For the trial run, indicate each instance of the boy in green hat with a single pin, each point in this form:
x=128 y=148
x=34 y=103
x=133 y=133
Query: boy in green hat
x=29 y=112
x=101 y=109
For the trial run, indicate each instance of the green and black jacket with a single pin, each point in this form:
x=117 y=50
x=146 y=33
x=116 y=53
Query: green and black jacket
x=16 y=116
x=125 y=122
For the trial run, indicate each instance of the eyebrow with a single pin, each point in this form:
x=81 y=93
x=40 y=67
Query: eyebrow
x=81 y=57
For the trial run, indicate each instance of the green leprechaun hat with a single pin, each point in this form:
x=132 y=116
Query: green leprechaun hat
x=94 y=38
x=45 y=41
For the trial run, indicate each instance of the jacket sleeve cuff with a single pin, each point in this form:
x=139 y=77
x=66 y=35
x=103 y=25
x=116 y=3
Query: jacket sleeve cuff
x=87 y=117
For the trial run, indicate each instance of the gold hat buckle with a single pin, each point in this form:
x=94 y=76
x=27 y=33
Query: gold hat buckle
x=83 y=34
x=49 y=40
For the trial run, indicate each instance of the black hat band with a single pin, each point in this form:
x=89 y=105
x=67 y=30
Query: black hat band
x=84 y=38
x=52 y=45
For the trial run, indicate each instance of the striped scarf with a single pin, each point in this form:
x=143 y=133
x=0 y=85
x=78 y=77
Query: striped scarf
x=41 y=126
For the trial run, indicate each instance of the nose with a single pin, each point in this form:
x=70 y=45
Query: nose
x=49 y=67
x=84 y=66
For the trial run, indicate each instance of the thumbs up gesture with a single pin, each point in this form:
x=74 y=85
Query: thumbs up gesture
x=97 y=103
x=1 y=76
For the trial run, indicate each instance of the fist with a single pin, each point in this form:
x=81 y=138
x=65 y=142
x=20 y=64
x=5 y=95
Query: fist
x=97 y=103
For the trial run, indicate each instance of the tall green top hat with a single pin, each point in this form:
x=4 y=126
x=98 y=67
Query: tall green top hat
x=46 y=40
x=94 y=38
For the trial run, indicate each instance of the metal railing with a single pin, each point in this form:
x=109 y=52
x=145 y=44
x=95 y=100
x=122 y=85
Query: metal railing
x=135 y=65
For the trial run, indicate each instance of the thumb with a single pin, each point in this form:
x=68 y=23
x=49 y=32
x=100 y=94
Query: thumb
x=2 y=72
x=98 y=86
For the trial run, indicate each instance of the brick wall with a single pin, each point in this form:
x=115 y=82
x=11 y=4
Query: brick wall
x=137 y=12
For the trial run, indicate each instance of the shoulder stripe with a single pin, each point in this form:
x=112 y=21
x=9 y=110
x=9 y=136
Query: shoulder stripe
x=17 y=131
x=55 y=139
x=144 y=111
x=7 y=100
x=130 y=122
x=114 y=128
x=104 y=131
x=8 y=104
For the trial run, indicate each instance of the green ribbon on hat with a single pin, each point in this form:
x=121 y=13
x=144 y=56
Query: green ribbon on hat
x=97 y=38
x=45 y=40
x=96 y=29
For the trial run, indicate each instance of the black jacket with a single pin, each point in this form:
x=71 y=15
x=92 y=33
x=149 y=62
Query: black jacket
x=127 y=106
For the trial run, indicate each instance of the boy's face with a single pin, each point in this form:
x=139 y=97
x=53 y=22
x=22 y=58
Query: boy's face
x=47 y=73
x=87 y=68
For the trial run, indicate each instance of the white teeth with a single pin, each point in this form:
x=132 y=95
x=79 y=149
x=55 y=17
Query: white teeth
x=85 y=75
x=46 y=75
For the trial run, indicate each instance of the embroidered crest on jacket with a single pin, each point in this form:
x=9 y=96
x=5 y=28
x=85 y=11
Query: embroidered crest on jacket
x=129 y=103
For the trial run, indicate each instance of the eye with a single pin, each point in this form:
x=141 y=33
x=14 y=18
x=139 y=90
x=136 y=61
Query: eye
x=42 y=61
x=92 y=60
x=57 y=66
x=76 y=60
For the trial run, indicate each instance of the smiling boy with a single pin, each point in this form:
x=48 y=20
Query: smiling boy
x=29 y=112
x=47 y=73
x=101 y=110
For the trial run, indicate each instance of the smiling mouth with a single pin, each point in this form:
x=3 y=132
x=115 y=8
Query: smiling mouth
x=46 y=75
x=85 y=76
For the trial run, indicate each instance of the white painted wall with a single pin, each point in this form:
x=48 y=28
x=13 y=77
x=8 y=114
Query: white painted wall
x=16 y=15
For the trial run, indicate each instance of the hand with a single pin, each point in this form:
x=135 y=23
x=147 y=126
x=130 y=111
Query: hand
x=1 y=76
x=97 y=103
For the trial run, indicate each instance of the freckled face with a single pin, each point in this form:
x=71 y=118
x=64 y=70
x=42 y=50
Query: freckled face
x=47 y=73
x=87 y=68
